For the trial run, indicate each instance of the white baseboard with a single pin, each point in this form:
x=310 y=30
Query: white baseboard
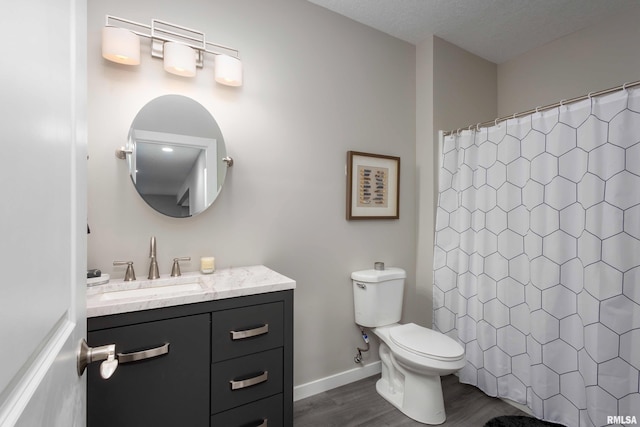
x=356 y=374
x=328 y=383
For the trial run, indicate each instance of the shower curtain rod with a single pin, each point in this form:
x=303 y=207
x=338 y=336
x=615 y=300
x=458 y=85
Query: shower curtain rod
x=546 y=107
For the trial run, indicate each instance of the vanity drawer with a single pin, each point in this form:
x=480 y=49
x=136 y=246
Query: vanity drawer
x=265 y=412
x=246 y=330
x=246 y=379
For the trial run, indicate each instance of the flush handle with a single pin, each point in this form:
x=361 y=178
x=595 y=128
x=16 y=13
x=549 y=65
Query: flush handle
x=361 y=285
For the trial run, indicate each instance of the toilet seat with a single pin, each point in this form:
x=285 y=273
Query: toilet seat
x=426 y=342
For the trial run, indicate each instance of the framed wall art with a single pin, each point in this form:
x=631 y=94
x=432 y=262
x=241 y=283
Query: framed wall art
x=373 y=186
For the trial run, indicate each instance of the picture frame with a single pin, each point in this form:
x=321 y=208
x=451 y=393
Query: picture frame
x=373 y=186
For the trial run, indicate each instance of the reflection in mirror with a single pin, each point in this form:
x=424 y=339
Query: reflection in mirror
x=177 y=151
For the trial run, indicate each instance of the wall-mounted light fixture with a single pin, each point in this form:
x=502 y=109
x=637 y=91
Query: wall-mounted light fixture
x=182 y=49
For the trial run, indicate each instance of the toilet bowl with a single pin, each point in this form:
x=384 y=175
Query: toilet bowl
x=413 y=357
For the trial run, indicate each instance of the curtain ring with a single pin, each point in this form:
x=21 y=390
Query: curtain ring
x=495 y=122
x=590 y=94
x=478 y=127
x=458 y=132
x=537 y=109
x=562 y=102
x=624 y=86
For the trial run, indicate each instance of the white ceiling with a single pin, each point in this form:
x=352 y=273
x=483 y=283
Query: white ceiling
x=497 y=30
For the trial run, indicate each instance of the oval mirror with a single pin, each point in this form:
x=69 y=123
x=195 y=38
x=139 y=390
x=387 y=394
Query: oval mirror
x=177 y=154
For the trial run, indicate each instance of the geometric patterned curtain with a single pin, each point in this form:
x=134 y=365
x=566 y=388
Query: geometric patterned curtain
x=537 y=259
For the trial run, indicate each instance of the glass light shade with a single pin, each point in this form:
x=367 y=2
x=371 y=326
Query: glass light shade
x=179 y=59
x=228 y=70
x=120 y=45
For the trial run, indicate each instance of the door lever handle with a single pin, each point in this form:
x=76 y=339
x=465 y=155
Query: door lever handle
x=105 y=353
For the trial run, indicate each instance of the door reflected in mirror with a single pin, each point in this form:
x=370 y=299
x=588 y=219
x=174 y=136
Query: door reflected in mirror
x=176 y=161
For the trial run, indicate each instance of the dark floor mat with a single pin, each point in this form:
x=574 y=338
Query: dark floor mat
x=519 y=421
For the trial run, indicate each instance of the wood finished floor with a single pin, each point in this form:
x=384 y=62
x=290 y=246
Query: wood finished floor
x=358 y=404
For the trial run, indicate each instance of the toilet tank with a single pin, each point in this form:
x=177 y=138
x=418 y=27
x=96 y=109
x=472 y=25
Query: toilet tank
x=377 y=296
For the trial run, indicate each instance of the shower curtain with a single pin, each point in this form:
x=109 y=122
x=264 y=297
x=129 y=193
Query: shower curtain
x=537 y=259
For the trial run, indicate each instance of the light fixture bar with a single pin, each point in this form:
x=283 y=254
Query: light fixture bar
x=164 y=35
x=132 y=26
x=183 y=49
x=184 y=35
x=226 y=48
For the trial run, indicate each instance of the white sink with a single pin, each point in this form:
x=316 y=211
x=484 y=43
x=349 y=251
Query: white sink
x=153 y=291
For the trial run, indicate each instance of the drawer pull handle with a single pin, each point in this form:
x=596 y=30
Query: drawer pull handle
x=263 y=423
x=237 y=385
x=248 y=333
x=144 y=354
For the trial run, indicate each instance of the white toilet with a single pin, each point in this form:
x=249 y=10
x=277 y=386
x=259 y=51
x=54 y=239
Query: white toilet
x=413 y=357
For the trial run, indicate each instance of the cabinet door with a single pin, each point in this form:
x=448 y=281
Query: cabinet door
x=166 y=390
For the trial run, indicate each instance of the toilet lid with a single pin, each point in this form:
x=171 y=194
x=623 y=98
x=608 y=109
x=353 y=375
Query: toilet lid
x=426 y=342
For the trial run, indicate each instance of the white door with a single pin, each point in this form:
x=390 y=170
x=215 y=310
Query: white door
x=42 y=211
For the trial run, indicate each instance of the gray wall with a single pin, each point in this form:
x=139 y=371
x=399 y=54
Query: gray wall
x=422 y=301
x=465 y=87
x=316 y=85
x=598 y=57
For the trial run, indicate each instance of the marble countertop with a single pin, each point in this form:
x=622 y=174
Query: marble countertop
x=119 y=296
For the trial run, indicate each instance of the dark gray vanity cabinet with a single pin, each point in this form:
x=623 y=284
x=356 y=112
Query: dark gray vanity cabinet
x=229 y=364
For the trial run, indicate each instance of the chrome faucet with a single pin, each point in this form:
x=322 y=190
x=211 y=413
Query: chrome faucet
x=153 y=267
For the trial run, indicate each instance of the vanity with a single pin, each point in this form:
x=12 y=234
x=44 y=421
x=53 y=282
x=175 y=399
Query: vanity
x=195 y=350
